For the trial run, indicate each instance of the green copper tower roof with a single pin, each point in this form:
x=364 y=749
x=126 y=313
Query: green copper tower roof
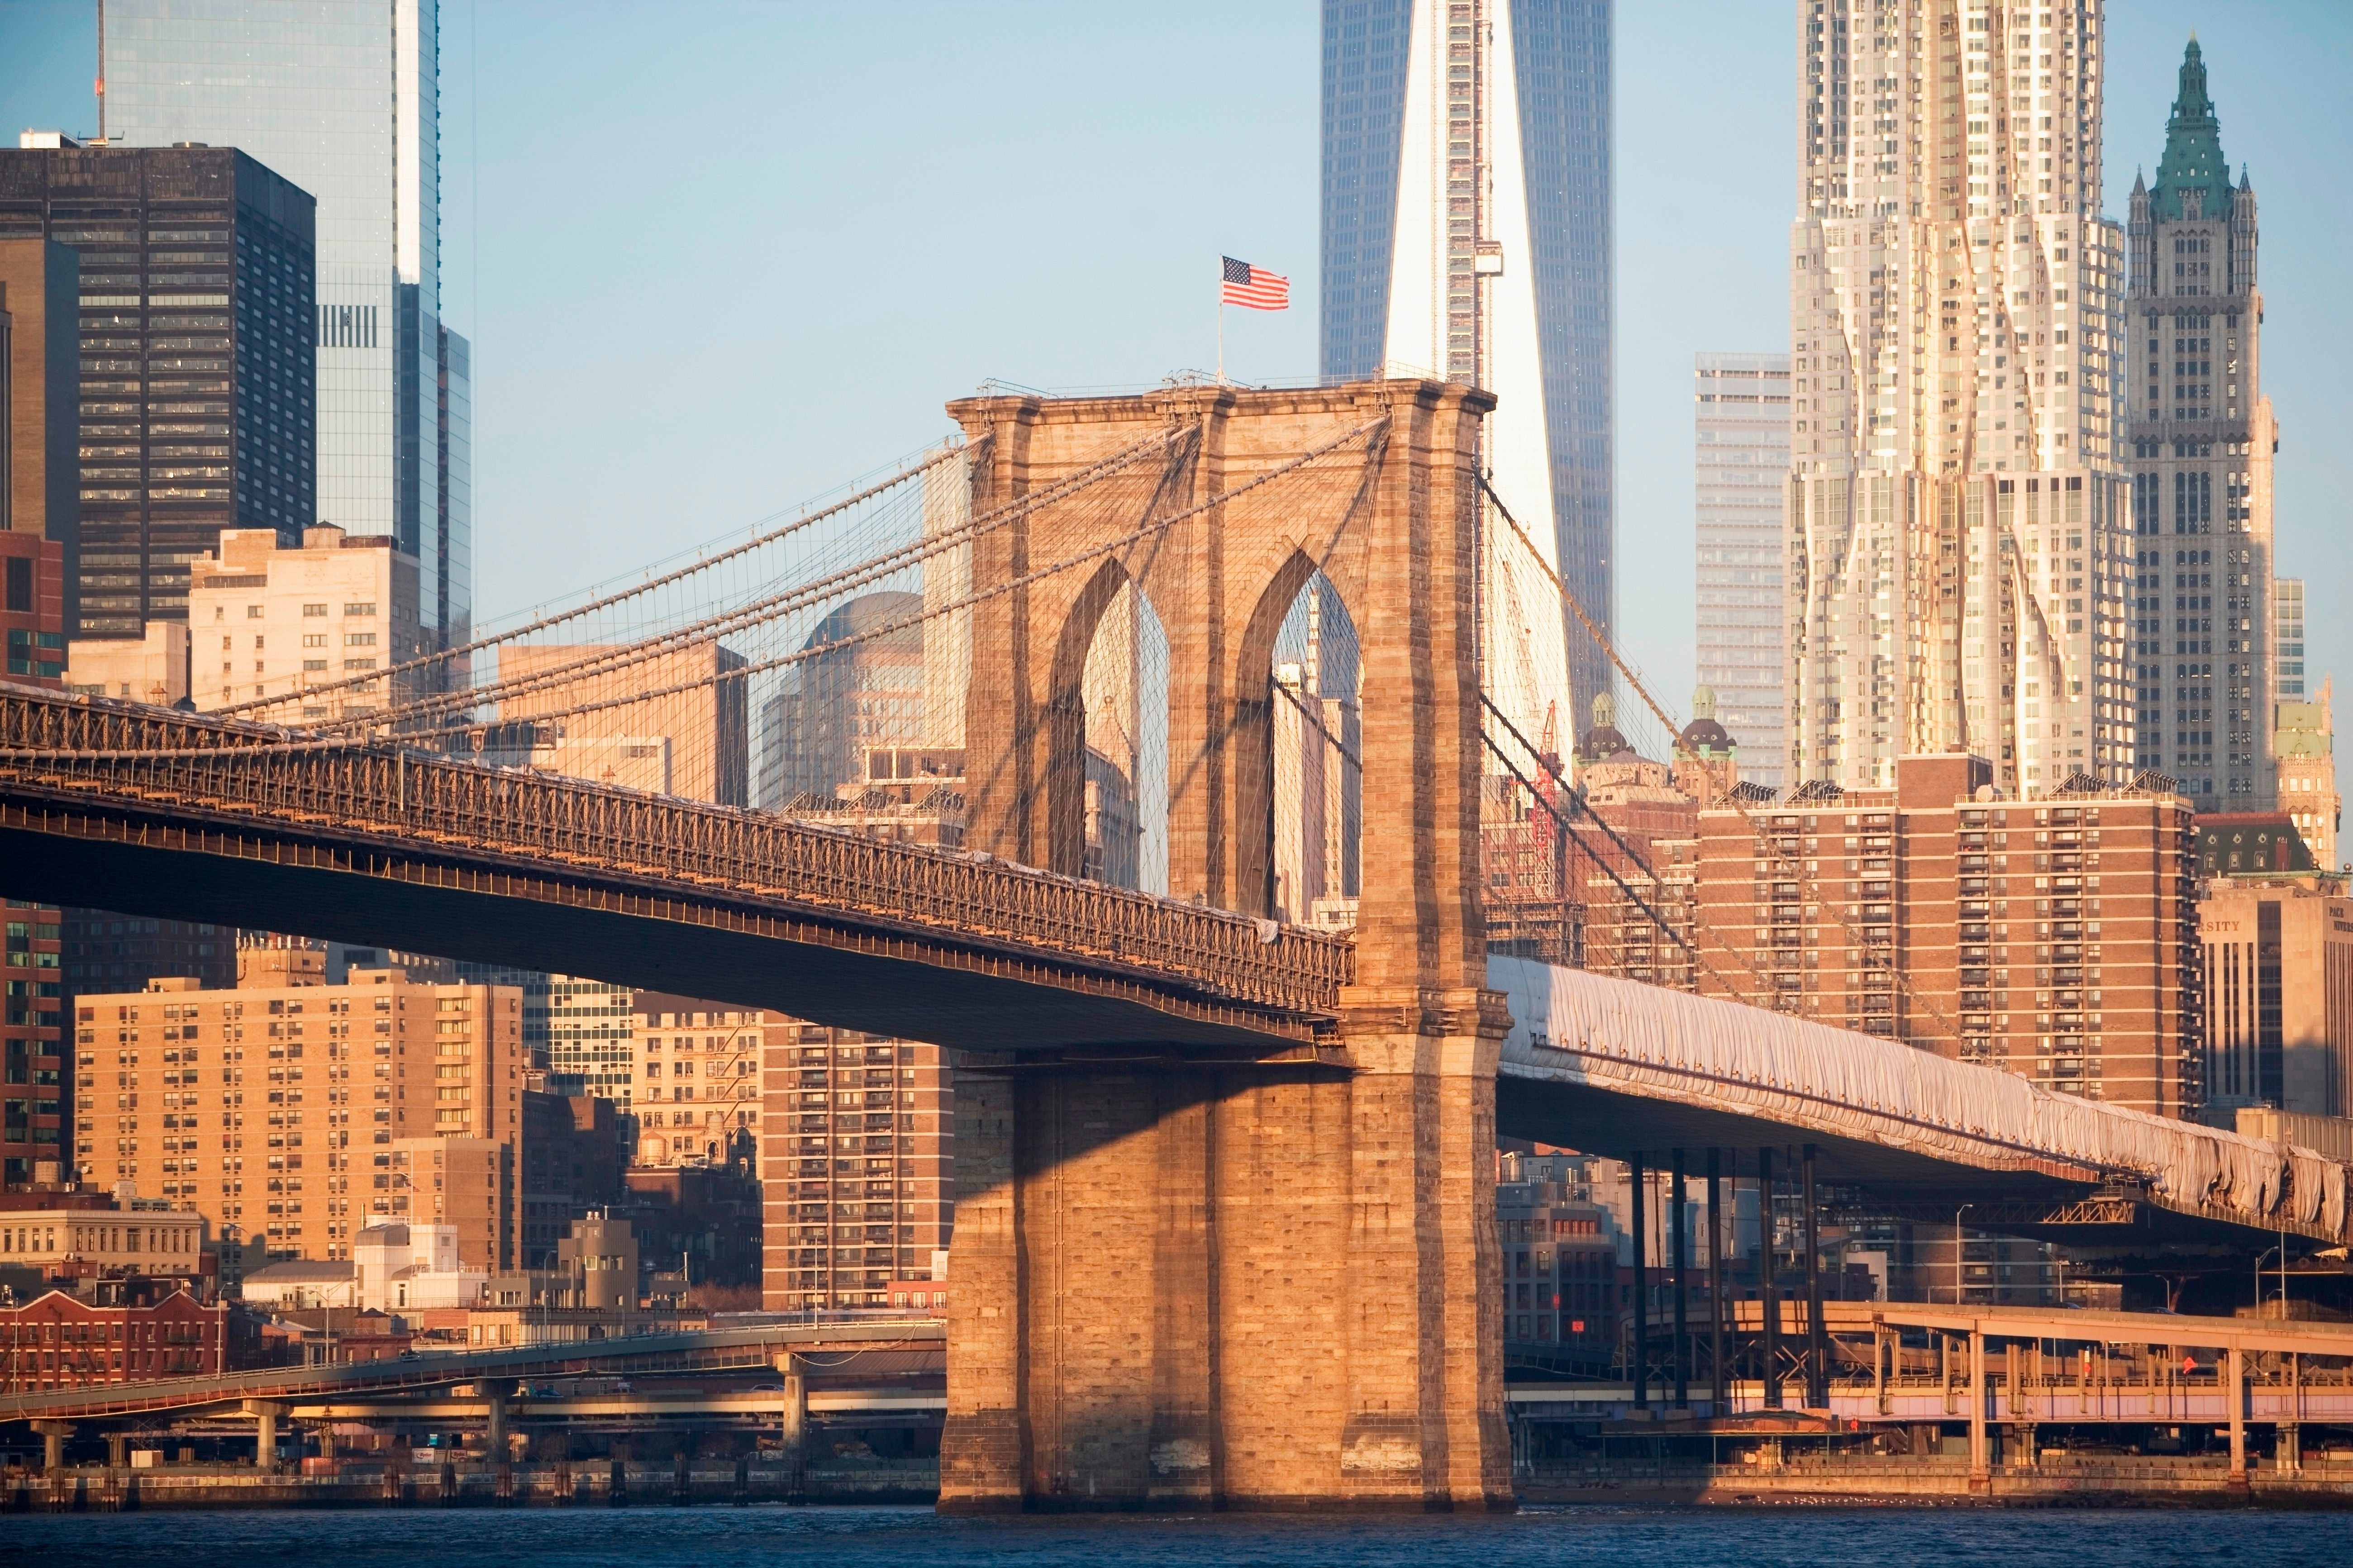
x=2193 y=157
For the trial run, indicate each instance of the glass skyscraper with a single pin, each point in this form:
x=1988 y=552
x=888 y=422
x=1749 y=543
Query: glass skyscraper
x=1467 y=235
x=342 y=97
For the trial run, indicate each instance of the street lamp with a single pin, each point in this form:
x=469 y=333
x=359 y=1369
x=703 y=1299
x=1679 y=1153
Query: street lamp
x=2266 y=1252
x=1958 y=1251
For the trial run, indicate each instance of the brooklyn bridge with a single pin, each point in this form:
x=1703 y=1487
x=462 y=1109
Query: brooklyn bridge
x=1274 y=1137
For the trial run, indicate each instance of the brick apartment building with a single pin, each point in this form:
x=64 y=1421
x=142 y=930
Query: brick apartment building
x=856 y=1166
x=2056 y=938
x=277 y=1110
x=59 y=1341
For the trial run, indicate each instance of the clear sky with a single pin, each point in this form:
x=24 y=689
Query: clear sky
x=717 y=258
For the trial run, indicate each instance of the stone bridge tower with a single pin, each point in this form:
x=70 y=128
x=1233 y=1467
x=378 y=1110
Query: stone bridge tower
x=1236 y=1282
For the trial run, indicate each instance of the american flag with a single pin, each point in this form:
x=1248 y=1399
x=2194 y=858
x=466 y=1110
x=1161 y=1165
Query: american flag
x=1254 y=287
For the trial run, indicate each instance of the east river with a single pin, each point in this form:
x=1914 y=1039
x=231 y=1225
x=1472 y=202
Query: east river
x=657 y=1536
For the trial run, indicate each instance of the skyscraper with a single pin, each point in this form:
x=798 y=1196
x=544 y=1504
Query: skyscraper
x=1467 y=235
x=342 y=97
x=196 y=370
x=1958 y=549
x=1741 y=454
x=2203 y=436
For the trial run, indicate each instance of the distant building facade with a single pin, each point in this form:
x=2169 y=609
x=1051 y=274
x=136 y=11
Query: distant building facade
x=276 y=1109
x=701 y=1065
x=36 y=1074
x=840 y=703
x=2303 y=751
x=40 y=458
x=2056 y=938
x=1741 y=411
x=2278 y=982
x=197 y=385
x=392 y=401
x=857 y=1166
x=338 y=614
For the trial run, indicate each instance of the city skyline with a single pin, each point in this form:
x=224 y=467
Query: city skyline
x=1711 y=246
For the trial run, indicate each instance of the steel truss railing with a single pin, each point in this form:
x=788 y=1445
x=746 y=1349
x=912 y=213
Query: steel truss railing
x=142 y=759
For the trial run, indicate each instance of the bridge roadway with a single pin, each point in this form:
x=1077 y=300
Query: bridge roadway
x=190 y=817
x=711 y=1351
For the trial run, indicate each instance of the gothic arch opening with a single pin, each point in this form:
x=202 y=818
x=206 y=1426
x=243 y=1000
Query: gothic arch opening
x=1316 y=763
x=1109 y=782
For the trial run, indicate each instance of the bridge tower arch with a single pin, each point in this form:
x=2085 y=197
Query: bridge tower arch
x=1187 y=1277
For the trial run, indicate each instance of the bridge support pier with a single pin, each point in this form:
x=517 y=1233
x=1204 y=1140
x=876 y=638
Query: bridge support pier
x=118 y=1450
x=2235 y=1390
x=1981 y=1462
x=53 y=1436
x=266 y=1413
x=1305 y=1250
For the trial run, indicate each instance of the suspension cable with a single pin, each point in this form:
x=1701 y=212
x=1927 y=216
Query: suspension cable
x=1760 y=833
x=1370 y=429
x=603 y=660
x=445 y=656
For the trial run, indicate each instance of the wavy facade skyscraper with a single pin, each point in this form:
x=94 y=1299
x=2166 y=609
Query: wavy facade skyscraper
x=1958 y=550
x=1467 y=235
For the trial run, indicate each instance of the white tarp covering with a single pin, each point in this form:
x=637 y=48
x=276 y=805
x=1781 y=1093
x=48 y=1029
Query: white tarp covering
x=1574 y=1027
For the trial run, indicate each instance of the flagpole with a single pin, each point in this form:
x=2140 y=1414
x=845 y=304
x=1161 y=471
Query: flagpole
x=1222 y=329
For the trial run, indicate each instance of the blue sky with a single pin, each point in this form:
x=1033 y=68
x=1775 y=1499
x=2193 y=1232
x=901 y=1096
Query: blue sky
x=718 y=256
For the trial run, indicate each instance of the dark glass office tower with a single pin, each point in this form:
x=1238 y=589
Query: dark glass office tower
x=343 y=97
x=197 y=397
x=1434 y=240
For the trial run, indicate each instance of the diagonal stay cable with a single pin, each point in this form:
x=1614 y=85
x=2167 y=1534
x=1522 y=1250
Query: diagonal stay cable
x=1757 y=830
x=1552 y=770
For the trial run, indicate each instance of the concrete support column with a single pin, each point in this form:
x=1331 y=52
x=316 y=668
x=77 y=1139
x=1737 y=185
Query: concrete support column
x=495 y=1426
x=1818 y=1352
x=1981 y=1465
x=2291 y=1446
x=794 y=1428
x=1769 y=1286
x=1637 y=1198
x=118 y=1445
x=1680 y=1232
x=53 y=1436
x=2235 y=1390
x=266 y=1416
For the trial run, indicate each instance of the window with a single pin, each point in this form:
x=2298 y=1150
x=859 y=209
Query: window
x=255 y=612
x=359 y=664
x=315 y=639
x=367 y=609
x=312 y=610
x=359 y=640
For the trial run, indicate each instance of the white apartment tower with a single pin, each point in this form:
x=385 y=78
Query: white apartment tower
x=1958 y=547
x=2202 y=437
x=1740 y=458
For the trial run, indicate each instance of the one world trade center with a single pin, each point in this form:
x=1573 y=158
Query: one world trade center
x=1466 y=237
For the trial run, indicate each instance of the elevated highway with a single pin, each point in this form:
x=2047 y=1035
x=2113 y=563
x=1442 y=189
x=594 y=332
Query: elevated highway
x=712 y=1352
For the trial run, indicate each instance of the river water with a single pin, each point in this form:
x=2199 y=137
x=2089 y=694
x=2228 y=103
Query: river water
x=655 y=1537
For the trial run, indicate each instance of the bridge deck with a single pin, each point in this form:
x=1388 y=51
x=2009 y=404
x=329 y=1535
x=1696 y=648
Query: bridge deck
x=210 y=819
x=1615 y=1068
